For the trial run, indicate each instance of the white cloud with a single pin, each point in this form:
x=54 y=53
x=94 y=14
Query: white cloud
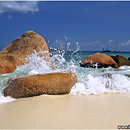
x=9 y=16
x=91 y=46
x=93 y=43
x=109 y=41
x=96 y=42
x=125 y=43
x=23 y=7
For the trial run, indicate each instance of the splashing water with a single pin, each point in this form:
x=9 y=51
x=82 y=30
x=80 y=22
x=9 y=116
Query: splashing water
x=34 y=64
x=37 y=63
x=90 y=80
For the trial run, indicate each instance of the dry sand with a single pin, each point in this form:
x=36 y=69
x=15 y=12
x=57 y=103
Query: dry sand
x=66 y=112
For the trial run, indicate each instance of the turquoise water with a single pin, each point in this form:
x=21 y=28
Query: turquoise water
x=90 y=80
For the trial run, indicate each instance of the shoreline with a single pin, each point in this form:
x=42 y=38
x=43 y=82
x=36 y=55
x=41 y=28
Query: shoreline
x=105 y=111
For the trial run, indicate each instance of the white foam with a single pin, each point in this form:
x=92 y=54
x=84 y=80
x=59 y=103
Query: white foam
x=97 y=85
x=125 y=67
x=5 y=99
x=58 y=58
x=79 y=88
x=37 y=64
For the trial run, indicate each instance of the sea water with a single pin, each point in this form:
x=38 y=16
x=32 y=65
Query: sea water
x=90 y=80
x=94 y=80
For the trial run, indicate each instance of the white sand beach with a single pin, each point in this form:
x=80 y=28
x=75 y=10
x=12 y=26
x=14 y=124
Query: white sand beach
x=66 y=112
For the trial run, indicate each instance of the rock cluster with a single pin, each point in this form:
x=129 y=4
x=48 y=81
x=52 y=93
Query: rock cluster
x=98 y=60
x=102 y=60
x=50 y=83
x=26 y=86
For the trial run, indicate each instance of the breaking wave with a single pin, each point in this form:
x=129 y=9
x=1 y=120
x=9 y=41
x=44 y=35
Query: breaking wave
x=90 y=80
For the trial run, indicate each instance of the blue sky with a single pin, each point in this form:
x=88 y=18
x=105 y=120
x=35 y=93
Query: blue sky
x=94 y=25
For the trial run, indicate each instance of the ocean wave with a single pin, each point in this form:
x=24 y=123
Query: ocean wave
x=90 y=80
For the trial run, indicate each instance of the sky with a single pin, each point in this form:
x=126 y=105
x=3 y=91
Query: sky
x=91 y=26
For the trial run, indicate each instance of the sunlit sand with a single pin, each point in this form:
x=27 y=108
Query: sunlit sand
x=105 y=111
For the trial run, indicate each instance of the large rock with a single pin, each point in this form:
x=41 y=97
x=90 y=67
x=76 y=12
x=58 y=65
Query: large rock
x=120 y=60
x=129 y=58
x=98 y=59
x=18 y=49
x=7 y=64
x=51 y=83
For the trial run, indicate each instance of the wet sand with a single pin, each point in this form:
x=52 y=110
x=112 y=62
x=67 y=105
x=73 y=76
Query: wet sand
x=66 y=112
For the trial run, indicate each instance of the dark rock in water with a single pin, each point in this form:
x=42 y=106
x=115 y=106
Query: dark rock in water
x=128 y=75
x=129 y=58
x=51 y=83
x=25 y=45
x=107 y=75
x=107 y=82
x=120 y=60
x=99 y=60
